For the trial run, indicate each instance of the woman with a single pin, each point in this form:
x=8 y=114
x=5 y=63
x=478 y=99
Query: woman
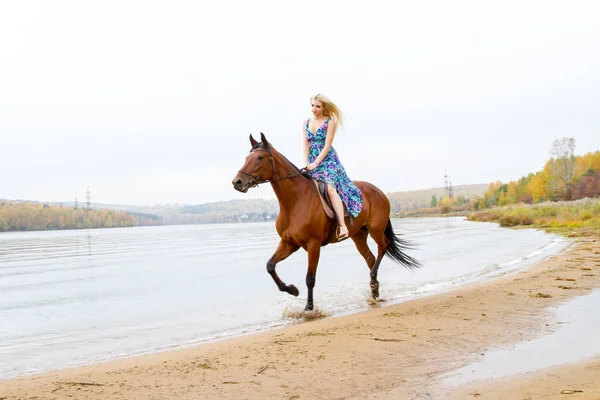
x=322 y=162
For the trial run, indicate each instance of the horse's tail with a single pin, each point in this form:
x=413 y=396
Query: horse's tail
x=395 y=247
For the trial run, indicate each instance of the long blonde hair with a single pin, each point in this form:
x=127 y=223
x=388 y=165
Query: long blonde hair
x=330 y=110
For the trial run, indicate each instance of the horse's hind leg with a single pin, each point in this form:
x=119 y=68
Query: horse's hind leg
x=378 y=236
x=360 y=241
x=283 y=251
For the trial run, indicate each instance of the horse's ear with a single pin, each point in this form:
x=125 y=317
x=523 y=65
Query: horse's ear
x=253 y=141
x=263 y=139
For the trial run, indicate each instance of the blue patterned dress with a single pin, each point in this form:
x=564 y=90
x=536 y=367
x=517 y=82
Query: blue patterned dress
x=331 y=170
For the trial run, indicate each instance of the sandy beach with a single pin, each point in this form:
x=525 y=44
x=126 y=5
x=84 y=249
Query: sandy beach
x=398 y=351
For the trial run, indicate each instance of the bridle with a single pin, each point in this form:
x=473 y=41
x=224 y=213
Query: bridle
x=255 y=181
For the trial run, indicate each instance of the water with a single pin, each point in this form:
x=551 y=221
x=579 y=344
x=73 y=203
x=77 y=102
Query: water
x=74 y=297
x=578 y=319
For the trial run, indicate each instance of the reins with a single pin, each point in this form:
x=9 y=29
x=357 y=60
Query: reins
x=255 y=181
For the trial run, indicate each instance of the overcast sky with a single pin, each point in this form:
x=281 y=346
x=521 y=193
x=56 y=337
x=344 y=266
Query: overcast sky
x=152 y=102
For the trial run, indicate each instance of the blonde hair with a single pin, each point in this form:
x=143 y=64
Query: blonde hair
x=330 y=110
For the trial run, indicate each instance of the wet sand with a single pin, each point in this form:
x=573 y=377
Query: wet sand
x=581 y=380
x=395 y=351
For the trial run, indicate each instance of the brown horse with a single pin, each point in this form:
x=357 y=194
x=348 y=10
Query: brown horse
x=302 y=222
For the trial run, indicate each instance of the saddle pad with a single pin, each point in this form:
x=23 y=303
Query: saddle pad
x=326 y=207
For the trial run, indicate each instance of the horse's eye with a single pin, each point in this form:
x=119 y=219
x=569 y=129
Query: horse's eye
x=261 y=157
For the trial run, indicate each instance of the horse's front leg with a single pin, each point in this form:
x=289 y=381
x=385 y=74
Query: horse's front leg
x=284 y=250
x=314 y=251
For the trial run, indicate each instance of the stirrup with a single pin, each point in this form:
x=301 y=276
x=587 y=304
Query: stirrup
x=339 y=233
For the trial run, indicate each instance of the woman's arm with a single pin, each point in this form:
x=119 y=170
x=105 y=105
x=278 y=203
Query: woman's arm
x=328 y=141
x=304 y=146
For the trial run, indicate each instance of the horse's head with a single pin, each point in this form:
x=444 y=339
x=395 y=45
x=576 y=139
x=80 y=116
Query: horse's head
x=258 y=166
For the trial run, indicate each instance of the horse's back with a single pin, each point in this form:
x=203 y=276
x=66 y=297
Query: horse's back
x=373 y=198
x=369 y=190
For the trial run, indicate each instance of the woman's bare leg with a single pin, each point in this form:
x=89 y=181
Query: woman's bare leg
x=338 y=207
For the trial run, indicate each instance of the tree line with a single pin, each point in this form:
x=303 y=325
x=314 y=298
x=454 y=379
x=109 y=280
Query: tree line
x=565 y=177
x=29 y=216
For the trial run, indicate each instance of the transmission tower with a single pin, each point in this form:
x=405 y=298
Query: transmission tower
x=448 y=191
x=76 y=203
x=446 y=188
x=89 y=198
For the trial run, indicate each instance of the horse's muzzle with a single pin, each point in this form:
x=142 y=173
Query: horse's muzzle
x=239 y=185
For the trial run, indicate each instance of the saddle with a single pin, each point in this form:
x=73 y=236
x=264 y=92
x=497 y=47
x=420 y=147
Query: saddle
x=328 y=208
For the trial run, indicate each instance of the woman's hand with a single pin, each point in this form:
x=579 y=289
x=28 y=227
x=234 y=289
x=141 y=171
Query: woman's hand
x=312 y=166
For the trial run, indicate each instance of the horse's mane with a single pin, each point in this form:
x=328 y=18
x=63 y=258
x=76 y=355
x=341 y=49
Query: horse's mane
x=263 y=147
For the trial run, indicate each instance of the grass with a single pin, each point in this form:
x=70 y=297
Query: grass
x=319 y=333
x=580 y=216
x=393 y=314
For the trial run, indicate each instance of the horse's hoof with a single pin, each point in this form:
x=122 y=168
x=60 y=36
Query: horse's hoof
x=309 y=307
x=293 y=290
x=375 y=290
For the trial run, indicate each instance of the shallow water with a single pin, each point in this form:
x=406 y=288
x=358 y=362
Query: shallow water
x=75 y=297
x=578 y=318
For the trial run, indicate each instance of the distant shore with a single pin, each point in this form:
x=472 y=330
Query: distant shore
x=378 y=354
x=416 y=214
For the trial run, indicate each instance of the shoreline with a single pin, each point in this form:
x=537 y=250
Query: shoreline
x=378 y=353
x=295 y=317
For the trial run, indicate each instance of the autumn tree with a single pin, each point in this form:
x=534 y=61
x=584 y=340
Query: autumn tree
x=537 y=188
x=588 y=185
x=445 y=205
x=563 y=169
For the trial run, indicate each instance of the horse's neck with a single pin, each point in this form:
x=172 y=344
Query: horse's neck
x=289 y=191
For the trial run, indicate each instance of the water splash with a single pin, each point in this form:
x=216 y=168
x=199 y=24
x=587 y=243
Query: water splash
x=316 y=313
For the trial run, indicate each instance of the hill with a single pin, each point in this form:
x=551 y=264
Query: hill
x=253 y=210
x=418 y=199
x=22 y=215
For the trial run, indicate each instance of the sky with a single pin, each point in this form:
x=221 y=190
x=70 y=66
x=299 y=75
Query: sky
x=152 y=102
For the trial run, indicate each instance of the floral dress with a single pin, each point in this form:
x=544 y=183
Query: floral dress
x=331 y=170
